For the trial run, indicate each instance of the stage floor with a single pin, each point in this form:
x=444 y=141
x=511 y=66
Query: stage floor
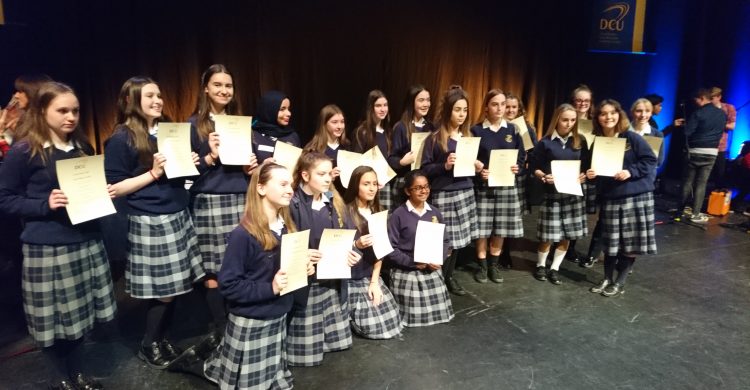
x=683 y=323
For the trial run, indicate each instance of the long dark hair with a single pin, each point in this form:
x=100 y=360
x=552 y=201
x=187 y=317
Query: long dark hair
x=131 y=118
x=453 y=95
x=408 y=115
x=622 y=124
x=365 y=133
x=203 y=106
x=351 y=195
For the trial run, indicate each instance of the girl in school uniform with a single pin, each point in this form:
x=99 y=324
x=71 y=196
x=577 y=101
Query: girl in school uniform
x=530 y=190
x=499 y=208
x=375 y=129
x=374 y=312
x=318 y=321
x=218 y=194
x=413 y=120
x=67 y=285
x=453 y=196
x=561 y=217
x=330 y=137
x=419 y=288
x=164 y=258
x=271 y=124
x=628 y=193
x=252 y=354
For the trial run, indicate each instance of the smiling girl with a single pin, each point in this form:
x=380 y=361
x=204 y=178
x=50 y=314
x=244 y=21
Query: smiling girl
x=330 y=137
x=271 y=124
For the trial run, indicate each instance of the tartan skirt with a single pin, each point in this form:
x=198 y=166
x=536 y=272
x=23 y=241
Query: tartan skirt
x=561 y=217
x=629 y=225
x=499 y=212
x=214 y=217
x=521 y=190
x=458 y=209
x=66 y=288
x=370 y=321
x=385 y=196
x=251 y=355
x=163 y=256
x=422 y=297
x=322 y=326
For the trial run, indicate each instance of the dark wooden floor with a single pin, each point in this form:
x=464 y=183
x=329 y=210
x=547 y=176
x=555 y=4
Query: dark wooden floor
x=683 y=323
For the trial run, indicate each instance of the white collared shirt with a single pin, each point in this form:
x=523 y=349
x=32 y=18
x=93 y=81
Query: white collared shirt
x=487 y=125
x=277 y=226
x=380 y=129
x=421 y=123
x=319 y=204
x=411 y=209
x=645 y=131
x=68 y=147
x=364 y=211
x=564 y=140
x=334 y=145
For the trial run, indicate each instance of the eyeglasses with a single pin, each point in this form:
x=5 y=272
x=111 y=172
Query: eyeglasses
x=425 y=187
x=581 y=101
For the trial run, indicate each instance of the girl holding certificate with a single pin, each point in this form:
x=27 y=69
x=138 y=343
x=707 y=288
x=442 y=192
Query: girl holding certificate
x=418 y=288
x=413 y=120
x=498 y=208
x=374 y=312
x=628 y=193
x=252 y=353
x=330 y=137
x=374 y=130
x=453 y=196
x=218 y=194
x=164 y=258
x=319 y=317
x=271 y=124
x=561 y=217
x=67 y=285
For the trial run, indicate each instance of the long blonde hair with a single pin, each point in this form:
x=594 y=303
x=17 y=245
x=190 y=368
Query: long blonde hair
x=35 y=129
x=556 y=117
x=254 y=218
x=319 y=142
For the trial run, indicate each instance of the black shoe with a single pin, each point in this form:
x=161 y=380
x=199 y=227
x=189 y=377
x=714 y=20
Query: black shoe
x=541 y=274
x=191 y=364
x=600 y=287
x=207 y=345
x=572 y=257
x=84 y=382
x=152 y=355
x=506 y=262
x=613 y=289
x=454 y=287
x=63 y=385
x=553 y=277
x=481 y=274
x=169 y=351
x=589 y=263
x=494 y=273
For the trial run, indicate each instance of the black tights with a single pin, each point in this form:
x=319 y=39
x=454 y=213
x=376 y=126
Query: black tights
x=623 y=264
x=449 y=265
x=64 y=359
x=158 y=318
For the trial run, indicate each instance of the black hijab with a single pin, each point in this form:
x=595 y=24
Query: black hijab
x=267 y=115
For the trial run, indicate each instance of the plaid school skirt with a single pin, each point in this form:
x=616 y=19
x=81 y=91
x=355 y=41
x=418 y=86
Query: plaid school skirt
x=322 y=326
x=459 y=211
x=499 y=212
x=385 y=195
x=251 y=355
x=422 y=297
x=370 y=321
x=214 y=217
x=629 y=225
x=66 y=288
x=163 y=256
x=561 y=217
x=521 y=191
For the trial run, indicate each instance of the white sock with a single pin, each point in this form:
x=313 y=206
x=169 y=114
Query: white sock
x=558 y=259
x=541 y=260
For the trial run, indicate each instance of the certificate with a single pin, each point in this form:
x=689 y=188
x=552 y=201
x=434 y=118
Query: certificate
x=428 y=242
x=417 y=148
x=235 y=138
x=173 y=141
x=294 y=259
x=500 y=162
x=586 y=129
x=378 y=226
x=608 y=155
x=520 y=124
x=467 y=149
x=374 y=159
x=347 y=162
x=83 y=182
x=286 y=155
x=335 y=245
x=654 y=143
x=566 y=173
